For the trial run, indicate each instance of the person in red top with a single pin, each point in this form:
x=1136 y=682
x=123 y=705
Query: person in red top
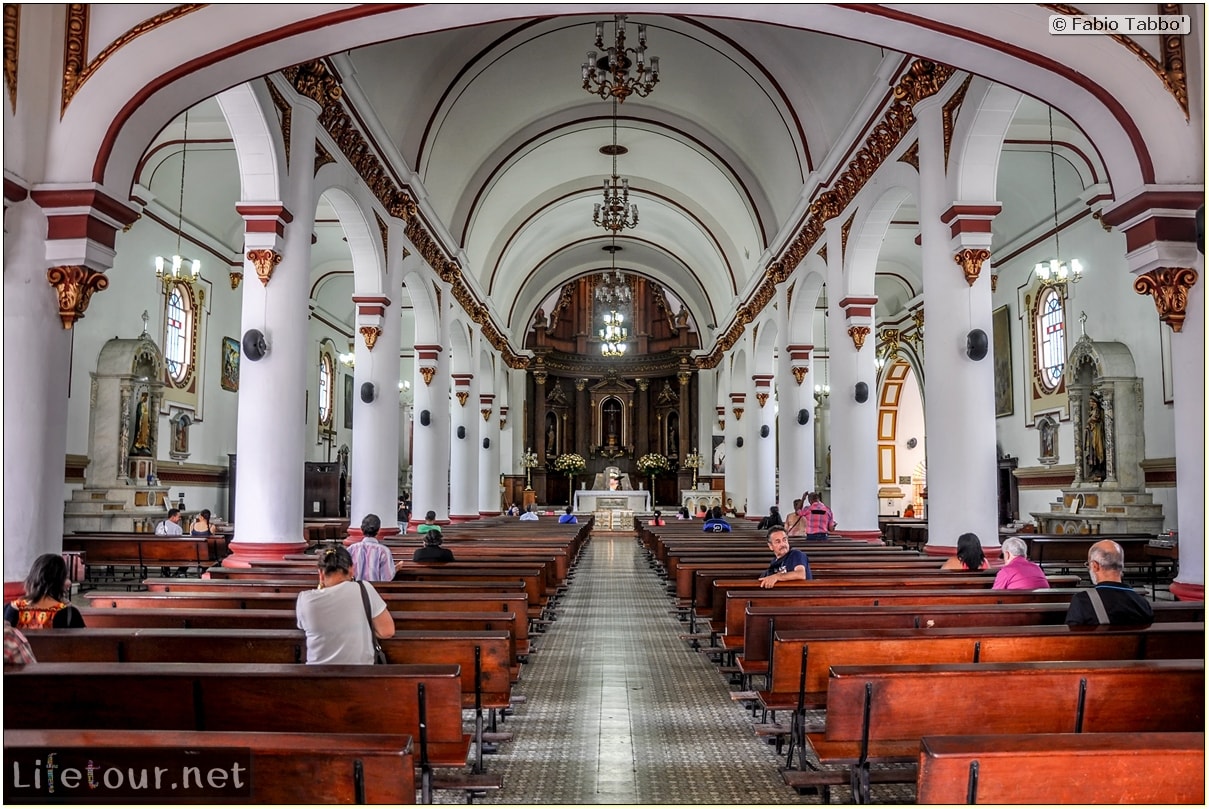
x=819 y=519
x=46 y=602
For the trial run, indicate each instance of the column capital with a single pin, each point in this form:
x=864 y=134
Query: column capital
x=1169 y=286
x=74 y=285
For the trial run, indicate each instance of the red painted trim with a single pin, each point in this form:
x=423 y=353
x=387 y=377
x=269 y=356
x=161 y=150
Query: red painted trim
x=371 y=309
x=1101 y=94
x=859 y=311
x=14 y=191
x=846 y=302
x=970 y=226
x=1160 y=229
x=51 y=198
x=382 y=299
x=247 y=554
x=956 y=211
x=1185 y=592
x=1149 y=200
x=1002 y=261
x=80 y=226
x=1046 y=482
x=264 y=210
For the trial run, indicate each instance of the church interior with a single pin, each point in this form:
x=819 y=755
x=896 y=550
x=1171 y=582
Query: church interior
x=937 y=264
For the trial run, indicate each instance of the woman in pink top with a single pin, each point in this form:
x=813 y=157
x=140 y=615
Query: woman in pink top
x=1018 y=573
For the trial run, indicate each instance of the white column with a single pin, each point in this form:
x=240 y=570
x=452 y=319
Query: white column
x=738 y=419
x=35 y=441
x=430 y=462
x=489 y=457
x=960 y=416
x=796 y=440
x=464 y=451
x=1188 y=371
x=761 y=492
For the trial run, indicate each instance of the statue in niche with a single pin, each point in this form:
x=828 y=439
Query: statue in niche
x=142 y=427
x=1094 y=464
x=1049 y=440
x=551 y=436
x=682 y=317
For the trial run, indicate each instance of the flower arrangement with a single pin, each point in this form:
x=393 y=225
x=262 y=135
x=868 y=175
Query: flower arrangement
x=572 y=463
x=653 y=463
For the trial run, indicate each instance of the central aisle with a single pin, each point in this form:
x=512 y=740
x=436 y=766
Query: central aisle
x=620 y=710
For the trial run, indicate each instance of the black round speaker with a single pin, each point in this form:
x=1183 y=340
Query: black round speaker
x=976 y=344
x=803 y=416
x=739 y=441
x=425 y=418
x=862 y=392
x=461 y=431
x=367 y=392
x=764 y=431
x=255 y=346
x=486 y=443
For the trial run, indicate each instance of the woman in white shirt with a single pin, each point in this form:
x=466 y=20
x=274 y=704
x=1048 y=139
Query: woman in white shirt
x=333 y=616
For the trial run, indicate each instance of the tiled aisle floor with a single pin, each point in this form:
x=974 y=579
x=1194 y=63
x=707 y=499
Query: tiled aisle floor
x=619 y=709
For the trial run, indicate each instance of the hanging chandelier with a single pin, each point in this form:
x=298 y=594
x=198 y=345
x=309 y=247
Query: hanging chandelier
x=610 y=74
x=616 y=212
x=1055 y=271
x=613 y=292
x=613 y=335
x=178 y=269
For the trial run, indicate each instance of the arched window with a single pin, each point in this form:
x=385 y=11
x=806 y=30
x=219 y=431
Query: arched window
x=327 y=398
x=180 y=331
x=1051 y=338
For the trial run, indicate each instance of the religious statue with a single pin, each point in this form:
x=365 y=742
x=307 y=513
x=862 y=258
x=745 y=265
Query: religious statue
x=682 y=317
x=1094 y=464
x=142 y=427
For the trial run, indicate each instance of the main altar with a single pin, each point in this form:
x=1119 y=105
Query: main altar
x=612 y=491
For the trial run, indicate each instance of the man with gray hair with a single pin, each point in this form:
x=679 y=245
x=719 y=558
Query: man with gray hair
x=1110 y=601
x=1018 y=573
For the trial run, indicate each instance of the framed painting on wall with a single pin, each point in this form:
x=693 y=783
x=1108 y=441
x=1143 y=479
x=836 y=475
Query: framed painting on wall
x=229 y=378
x=1001 y=343
x=348 y=401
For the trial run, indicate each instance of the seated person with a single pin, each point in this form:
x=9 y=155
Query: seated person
x=614 y=483
x=715 y=524
x=969 y=555
x=772 y=520
x=514 y=510
x=429 y=524
x=372 y=561
x=530 y=513
x=1018 y=573
x=170 y=527
x=432 y=550
x=1109 y=601
x=657 y=519
x=789 y=564
x=47 y=600
x=201 y=524
x=683 y=514
x=567 y=516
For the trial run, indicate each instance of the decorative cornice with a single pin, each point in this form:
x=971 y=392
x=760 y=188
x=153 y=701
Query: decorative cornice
x=858 y=335
x=74 y=285
x=12 y=47
x=970 y=260
x=1169 y=286
x=921 y=80
x=1172 y=72
x=287 y=113
x=265 y=261
x=314 y=81
x=370 y=335
x=428 y=373
x=75 y=44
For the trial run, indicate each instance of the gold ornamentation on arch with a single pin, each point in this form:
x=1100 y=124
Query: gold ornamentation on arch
x=287 y=113
x=949 y=116
x=12 y=41
x=315 y=81
x=370 y=335
x=74 y=285
x=858 y=335
x=1169 y=286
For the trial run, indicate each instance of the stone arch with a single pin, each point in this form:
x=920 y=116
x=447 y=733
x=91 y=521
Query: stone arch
x=259 y=148
x=978 y=139
x=355 y=213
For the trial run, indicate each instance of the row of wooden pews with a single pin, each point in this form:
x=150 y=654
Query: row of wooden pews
x=188 y=657
x=892 y=671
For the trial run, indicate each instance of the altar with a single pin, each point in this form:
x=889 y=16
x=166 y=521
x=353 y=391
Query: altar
x=587 y=500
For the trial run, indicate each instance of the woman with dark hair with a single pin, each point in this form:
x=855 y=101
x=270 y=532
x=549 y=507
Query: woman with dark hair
x=772 y=520
x=969 y=555
x=201 y=524
x=47 y=600
x=334 y=616
x=431 y=552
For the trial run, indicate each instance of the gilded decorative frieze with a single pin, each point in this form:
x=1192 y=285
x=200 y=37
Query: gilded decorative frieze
x=265 y=262
x=911 y=156
x=315 y=81
x=949 y=116
x=858 y=335
x=1169 y=286
x=74 y=285
x=970 y=260
x=12 y=43
x=845 y=229
x=75 y=45
x=370 y=335
x=286 y=113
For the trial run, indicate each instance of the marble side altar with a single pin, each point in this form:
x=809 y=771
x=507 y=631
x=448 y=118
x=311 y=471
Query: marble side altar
x=617 y=500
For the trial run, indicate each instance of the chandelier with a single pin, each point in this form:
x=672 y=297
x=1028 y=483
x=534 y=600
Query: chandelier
x=616 y=212
x=610 y=74
x=613 y=335
x=1055 y=271
x=177 y=269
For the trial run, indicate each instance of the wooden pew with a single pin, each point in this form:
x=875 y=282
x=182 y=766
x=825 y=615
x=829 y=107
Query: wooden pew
x=392 y=699
x=285 y=768
x=1063 y=768
x=140 y=552
x=879 y=714
x=762 y=622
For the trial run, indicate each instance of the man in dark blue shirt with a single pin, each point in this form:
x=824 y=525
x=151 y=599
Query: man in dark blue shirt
x=716 y=524
x=1110 y=601
x=567 y=516
x=789 y=565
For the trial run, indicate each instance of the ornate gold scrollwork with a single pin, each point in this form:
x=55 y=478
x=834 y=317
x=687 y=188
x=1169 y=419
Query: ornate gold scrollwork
x=370 y=335
x=970 y=260
x=486 y=411
x=235 y=277
x=265 y=261
x=313 y=80
x=858 y=335
x=462 y=395
x=12 y=40
x=738 y=411
x=761 y=398
x=75 y=285
x=799 y=373
x=1169 y=286
x=428 y=372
